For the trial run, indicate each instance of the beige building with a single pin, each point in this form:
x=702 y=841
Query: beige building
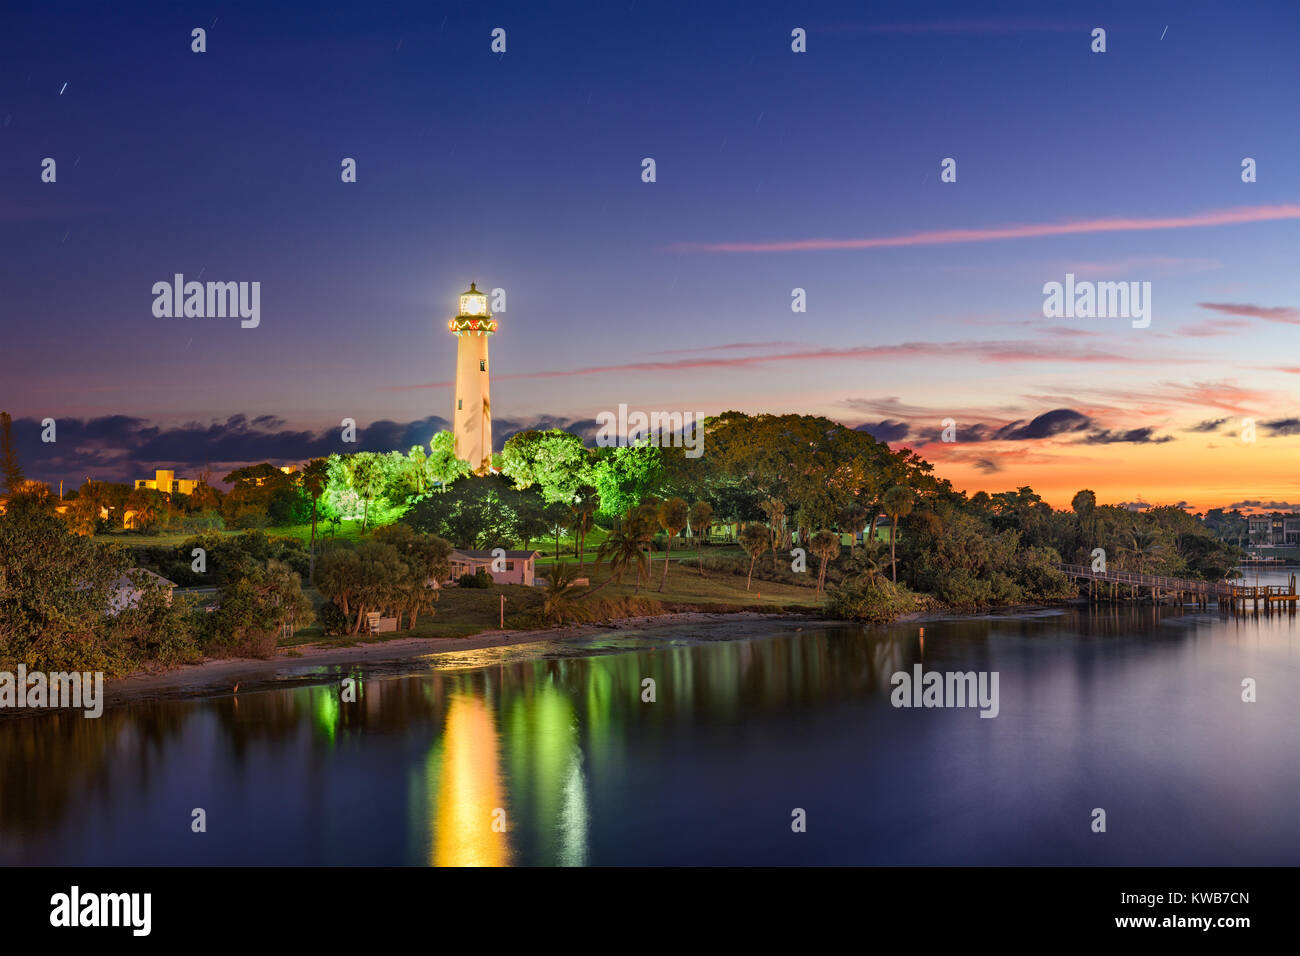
x=166 y=481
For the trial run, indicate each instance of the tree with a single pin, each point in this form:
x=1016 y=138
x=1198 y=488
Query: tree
x=428 y=559
x=481 y=511
x=254 y=609
x=263 y=494
x=54 y=586
x=826 y=545
x=382 y=578
x=13 y=472
x=778 y=530
x=625 y=474
x=586 y=503
x=337 y=576
x=315 y=476
x=365 y=473
x=442 y=464
x=558 y=518
x=755 y=539
x=560 y=593
x=149 y=507
x=1143 y=546
x=854 y=518
x=1084 y=504
x=672 y=516
x=868 y=565
x=898 y=502
x=555 y=461
x=701 y=517
x=642 y=523
x=530 y=517
x=624 y=547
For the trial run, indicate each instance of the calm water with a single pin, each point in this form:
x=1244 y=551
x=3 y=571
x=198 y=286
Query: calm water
x=1135 y=710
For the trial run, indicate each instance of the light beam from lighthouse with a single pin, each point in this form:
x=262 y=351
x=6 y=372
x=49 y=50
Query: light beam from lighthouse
x=471 y=414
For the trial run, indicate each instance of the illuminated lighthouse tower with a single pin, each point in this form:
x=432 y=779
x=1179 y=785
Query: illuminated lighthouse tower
x=472 y=414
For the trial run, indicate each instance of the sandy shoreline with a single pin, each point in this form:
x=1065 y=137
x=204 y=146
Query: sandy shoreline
x=221 y=677
x=212 y=678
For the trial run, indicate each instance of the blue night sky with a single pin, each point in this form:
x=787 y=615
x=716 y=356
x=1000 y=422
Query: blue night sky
x=523 y=171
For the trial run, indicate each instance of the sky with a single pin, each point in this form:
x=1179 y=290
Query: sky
x=774 y=171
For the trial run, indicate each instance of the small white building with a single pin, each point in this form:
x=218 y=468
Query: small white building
x=128 y=589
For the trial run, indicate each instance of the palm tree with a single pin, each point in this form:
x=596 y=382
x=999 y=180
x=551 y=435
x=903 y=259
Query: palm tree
x=869 y=564
x=898 y=503
x=315 y=476
x=780 y=535
x=624 y=547
x=672 y=518
x=826 y=545
x=701 y=517
x=642 y=523
x=1143 y=545
x=755 y=539
x=560 y=593
x=586 y=503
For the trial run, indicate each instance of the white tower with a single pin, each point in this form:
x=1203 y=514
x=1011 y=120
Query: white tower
x=471 y=414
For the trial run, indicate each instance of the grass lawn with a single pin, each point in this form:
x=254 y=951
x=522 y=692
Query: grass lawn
x=463 y=611
x=351 y=530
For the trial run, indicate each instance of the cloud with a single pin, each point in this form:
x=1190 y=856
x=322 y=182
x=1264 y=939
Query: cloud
x=888 y=430
x=1224 y=396
x=729 y=347
x=1212 y=327
x=1269 y=313
x=991 y=351
x=123 y=448
x=1224 y=217
x=987 y=465
x=1208 y=425
x=1147 y=265
x=1056 y=422
x=1254 y=504
x=1282 y=426
x=1135 y=436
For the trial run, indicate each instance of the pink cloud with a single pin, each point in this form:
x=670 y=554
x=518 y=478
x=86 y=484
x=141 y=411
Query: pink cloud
x=1225 y=217
x=1212 y=327
x=1270 y=314
x=1046 y=351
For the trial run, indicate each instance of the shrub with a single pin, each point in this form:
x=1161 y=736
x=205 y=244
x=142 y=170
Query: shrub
x=249 y=518
x=332 y=619
x=878 y=602
x=479 y=579
x=253 y=609
x=202 y=521
x=596 y=610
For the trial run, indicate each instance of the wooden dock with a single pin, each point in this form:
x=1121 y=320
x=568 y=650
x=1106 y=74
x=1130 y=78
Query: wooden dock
x=1229 y=595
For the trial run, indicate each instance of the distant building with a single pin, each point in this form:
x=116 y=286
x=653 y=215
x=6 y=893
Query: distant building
x=519 y=565
x=1273 y=530
x=168 y=483
x=127 y=592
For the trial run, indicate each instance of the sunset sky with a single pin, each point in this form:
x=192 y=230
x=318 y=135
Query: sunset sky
x=775 y=171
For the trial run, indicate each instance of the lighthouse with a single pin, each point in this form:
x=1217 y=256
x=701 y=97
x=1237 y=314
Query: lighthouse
x=471 y=414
